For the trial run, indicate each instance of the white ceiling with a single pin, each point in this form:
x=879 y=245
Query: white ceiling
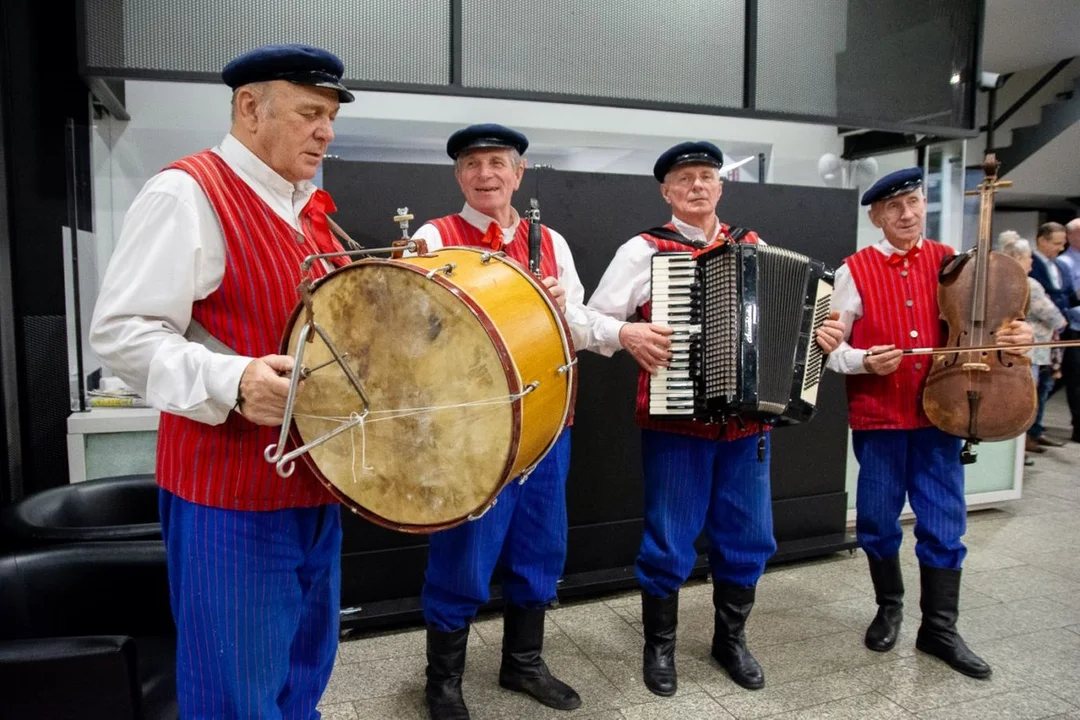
x=1023 y=34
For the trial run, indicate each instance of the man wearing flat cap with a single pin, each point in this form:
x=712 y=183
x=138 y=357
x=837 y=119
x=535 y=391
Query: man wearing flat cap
x=211 y=248
x=697 y=475
x=886 y=295
x=524 y=534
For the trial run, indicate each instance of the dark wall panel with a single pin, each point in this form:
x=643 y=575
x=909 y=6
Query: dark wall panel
x=597 y=213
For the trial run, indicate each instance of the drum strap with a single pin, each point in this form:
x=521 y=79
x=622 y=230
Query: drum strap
x=196 y=333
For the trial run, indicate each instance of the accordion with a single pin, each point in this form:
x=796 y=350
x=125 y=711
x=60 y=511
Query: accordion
x=744 y=320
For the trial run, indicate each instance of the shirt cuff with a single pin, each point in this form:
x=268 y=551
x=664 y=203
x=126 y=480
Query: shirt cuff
x=847 y=360
x=607 y=335
x=223 y=382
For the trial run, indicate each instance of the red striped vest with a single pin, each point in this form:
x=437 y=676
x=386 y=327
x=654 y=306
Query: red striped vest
x=222 y=465
x=730 y=430
x=456 y=231
x=898 y=300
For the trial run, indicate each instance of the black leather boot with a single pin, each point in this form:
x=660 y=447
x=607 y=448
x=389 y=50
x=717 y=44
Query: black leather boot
x=889 y=590
x=937 y=635
x=660 y=617
x=446 y=663
x=523 y=670
x=733 y=605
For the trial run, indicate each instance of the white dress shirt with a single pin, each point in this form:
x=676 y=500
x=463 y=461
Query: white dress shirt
x=627 y=285
x=171 y=252
x=846 y=301
x=577 y=315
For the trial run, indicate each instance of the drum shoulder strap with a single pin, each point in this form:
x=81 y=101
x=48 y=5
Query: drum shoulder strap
x=196 y=333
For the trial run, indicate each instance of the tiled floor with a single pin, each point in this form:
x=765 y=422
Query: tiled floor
x=1020 y=610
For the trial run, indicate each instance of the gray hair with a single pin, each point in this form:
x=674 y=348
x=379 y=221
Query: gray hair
x=1016 y=247
x=264 y=95
x=1005 y=238
x=515 y=158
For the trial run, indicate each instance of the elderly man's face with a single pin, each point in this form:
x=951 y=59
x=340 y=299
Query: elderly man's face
x=692 y=190
x=900 y=218
x=294 y=127
x=488 y=178
x=1051 y=245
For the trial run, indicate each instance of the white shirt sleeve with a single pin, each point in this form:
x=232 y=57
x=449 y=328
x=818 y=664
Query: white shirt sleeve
x=170 y=254
x=581 y=318
x=430 y=234
x=846 y=301
x=622 y=290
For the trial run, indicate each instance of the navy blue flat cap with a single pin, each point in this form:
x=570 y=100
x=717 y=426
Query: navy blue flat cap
x=488 y=135
x=687 y=152
x=300 y=64
x=893 y=184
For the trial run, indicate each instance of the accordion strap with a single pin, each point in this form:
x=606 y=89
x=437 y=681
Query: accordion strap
x=668 y=234
x=736 y=234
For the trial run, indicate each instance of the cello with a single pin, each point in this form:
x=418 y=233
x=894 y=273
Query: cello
x=975 y=390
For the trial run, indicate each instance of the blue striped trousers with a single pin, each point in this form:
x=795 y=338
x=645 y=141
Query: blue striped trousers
x=523 y=535
x=256 y=597
x=692 y=483
x=923 y=464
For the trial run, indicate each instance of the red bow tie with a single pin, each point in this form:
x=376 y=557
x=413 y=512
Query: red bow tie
x=493 y=238
x=315 y=213
x=899 y=258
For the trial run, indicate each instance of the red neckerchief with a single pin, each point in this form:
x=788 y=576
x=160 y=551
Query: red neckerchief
x=898 y=258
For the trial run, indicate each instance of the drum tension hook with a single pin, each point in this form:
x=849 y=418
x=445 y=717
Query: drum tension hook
x=447 y=269
x=483 y=512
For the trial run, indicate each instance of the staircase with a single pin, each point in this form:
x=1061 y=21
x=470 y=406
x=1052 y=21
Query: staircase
x=1056 y=118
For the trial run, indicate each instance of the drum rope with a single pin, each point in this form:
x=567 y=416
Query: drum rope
x=362 y=422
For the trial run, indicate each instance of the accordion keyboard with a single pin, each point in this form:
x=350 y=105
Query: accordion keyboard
x=675 y=303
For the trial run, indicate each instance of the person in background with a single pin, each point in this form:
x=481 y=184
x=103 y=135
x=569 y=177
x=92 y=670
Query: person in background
x=1056 y=279
x=1069 y=261
x=1046 y=322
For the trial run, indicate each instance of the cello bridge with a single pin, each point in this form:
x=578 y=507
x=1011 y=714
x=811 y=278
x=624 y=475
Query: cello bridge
x=975 y=367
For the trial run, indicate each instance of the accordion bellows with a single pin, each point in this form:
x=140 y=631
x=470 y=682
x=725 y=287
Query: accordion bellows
x=745 y=318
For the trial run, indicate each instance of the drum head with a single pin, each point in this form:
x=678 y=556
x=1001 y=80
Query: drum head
x=441 y=431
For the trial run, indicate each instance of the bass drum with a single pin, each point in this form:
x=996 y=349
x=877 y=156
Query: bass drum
x=470 y=374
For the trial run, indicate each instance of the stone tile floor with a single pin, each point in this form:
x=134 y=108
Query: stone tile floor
x=1020 y=609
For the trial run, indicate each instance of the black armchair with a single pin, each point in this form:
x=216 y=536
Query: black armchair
x=86 y=631
x=107 y=509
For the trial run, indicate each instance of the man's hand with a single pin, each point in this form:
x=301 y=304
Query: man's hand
x=649 y=344
x=1017 y=332
x=831 y=333
x=557 y=291
x=883 y=359
x=264 y=388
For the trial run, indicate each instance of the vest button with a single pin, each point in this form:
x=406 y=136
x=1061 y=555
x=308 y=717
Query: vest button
x=914 y=333
x=903 y=273
x=909 y=302
x=918 y=366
